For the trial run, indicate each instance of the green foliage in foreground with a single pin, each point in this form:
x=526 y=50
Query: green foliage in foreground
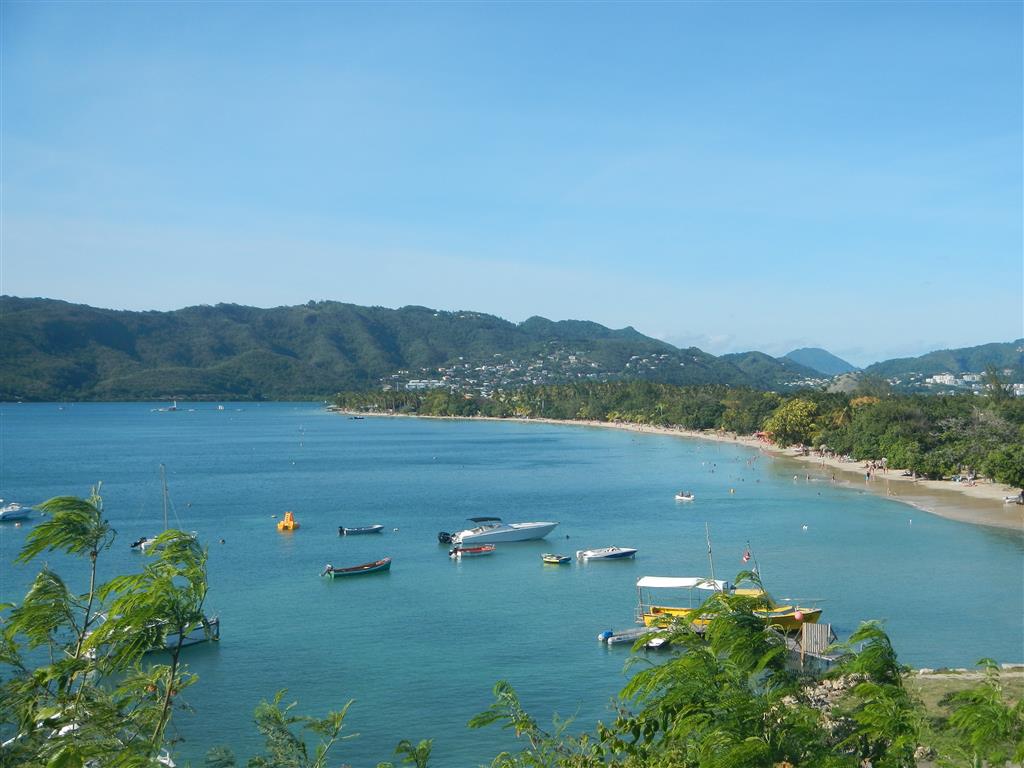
x=723 y=699
x=933 y=436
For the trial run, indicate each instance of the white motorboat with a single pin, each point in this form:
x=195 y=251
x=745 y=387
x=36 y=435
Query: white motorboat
x=606 y=553
x=685 y=496
x=206 y=631
x=491 y=530
x=457 y=553
x=13 y=511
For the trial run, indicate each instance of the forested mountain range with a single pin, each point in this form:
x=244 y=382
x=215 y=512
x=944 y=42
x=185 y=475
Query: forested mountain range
x=54 y=350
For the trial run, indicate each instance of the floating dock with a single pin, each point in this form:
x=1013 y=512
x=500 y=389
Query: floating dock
x=809 y=648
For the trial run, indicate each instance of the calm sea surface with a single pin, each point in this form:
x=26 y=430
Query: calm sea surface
x=420 y=648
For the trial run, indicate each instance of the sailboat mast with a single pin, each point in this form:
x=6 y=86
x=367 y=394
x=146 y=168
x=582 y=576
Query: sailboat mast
x=163 y=480
x=711 y=560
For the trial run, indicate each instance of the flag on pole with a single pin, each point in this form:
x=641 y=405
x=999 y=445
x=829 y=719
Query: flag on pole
x=746 y=555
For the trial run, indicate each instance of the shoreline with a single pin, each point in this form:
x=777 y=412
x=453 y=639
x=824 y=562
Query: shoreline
x=980 y=504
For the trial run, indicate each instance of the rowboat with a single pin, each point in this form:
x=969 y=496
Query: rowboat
x=606 y=553
x=555 y=559
x=374 y=567
x=343 y=531
x=457 y=553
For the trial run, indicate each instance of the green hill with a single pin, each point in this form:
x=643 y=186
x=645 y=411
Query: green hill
x=1008 y=355
x=766 y=371
x=820 y=360
x=53 y=350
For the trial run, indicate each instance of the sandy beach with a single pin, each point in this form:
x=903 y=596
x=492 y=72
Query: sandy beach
x=980 y=504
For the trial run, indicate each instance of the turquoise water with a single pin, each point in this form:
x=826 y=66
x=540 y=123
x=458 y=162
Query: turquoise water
x=419 y=648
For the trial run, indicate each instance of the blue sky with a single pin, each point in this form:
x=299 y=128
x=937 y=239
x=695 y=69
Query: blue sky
x=728 y=175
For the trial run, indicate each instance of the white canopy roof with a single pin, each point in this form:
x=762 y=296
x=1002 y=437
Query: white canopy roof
x=684 y=582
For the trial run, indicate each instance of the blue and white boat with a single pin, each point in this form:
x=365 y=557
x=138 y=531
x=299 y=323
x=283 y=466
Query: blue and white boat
x=13 y=511
x=606 y=553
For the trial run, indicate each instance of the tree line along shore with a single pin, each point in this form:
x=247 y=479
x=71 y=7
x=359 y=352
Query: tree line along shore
x=931 y=436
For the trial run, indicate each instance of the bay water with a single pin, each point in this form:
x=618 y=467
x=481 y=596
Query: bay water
x=419 y=648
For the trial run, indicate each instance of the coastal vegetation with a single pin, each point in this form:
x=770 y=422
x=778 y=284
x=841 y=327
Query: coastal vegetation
x=77 y=690
x=933 y=436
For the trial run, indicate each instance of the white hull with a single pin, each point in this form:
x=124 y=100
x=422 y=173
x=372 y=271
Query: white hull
x=607 y=553
x=492 y=534
x=201 y=634
x=14 y=512
x=209 y=630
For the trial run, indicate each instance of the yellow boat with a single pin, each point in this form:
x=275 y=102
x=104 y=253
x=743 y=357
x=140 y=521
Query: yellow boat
x=697 y=590
x=788 y=618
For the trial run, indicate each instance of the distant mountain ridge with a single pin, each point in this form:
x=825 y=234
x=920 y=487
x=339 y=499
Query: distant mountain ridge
x=1005 y=355
x=53 y=350
x=820 y=360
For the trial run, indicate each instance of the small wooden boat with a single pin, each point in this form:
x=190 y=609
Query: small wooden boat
x=288 y=524
x=457 y=553
x=343 y=531
x=606 y=553
x=551 y=559
x=375 y=567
